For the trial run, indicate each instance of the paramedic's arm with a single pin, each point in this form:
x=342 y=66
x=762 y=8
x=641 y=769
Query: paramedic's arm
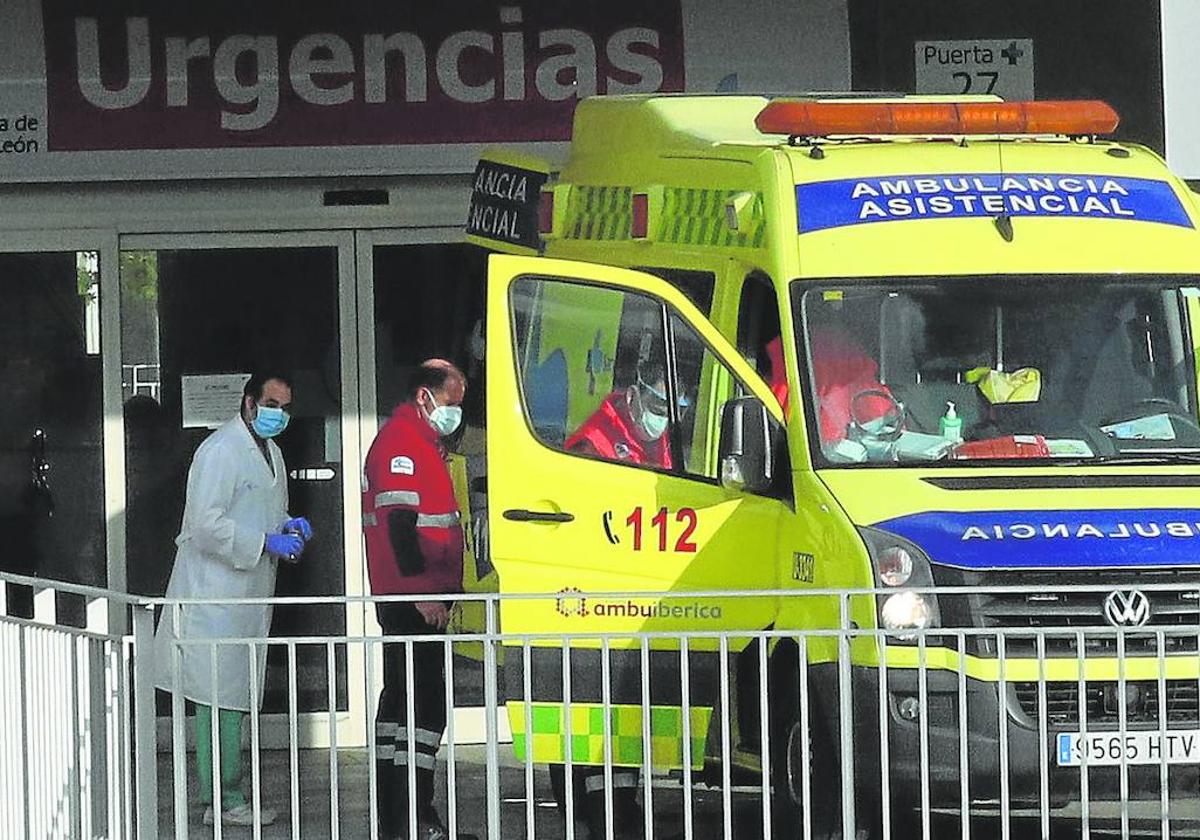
x=403 y=535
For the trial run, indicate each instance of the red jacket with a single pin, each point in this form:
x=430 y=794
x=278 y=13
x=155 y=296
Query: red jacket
x=406 y=469
x=609 y=434
x=841 y=369
x=778 y=381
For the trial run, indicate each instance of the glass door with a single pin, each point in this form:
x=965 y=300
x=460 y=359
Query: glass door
x=198 y=314
x=52 y=517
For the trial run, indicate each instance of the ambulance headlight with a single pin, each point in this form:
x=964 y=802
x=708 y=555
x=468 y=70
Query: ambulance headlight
x=894 y=566
x=901 y=565
x=906 y=610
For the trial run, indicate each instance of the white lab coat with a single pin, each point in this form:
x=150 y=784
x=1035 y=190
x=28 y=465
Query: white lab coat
x=233 y=501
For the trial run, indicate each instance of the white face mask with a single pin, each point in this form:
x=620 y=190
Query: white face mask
x=654 y=425
x=444 y=419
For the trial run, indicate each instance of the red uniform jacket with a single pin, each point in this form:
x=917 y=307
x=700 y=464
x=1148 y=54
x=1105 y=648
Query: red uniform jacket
x=609 y=434
x=406 y=469
x=841 y=369
x=778 y=381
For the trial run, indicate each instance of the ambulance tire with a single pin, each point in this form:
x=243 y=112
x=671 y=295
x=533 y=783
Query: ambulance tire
x=787 y=786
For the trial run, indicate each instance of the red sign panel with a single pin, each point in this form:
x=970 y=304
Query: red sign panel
x=146 y=75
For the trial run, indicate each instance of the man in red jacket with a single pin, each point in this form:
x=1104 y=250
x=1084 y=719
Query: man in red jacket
x=631 y=424
x=414 y=546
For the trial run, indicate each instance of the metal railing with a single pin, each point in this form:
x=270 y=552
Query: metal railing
x=966 y=729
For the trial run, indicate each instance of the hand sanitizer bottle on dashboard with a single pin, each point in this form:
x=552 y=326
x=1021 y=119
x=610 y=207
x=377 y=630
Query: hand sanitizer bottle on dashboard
x=950 y=426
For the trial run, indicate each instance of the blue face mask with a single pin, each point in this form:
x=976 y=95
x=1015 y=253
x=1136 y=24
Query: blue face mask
x=269 y=421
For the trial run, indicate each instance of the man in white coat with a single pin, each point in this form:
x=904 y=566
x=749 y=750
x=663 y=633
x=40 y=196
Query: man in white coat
x=235 y=530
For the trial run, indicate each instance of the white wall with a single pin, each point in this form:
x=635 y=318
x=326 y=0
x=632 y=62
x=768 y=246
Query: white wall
x=1181 y=85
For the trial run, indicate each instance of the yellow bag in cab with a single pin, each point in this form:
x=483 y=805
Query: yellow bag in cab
x=1019 y=386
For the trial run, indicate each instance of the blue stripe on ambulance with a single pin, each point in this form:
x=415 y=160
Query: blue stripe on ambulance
x=851 y=201
x=1055 y=539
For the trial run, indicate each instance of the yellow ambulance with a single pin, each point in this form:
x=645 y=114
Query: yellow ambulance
x=894 y=344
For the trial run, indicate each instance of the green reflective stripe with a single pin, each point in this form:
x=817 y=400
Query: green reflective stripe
x=603 y=213
x=587 y=734
x=689 y=216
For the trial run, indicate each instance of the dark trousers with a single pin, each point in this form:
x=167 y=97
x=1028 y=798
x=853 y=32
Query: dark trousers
x=394 y=751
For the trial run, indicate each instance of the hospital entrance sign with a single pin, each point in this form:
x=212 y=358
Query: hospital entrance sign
x=1001 y=66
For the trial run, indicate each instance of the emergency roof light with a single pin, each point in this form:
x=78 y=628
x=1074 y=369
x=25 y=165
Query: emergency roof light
x=798 y=118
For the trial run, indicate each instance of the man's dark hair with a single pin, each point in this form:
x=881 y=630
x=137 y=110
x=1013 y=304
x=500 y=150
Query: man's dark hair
x=432 y=374
x=254 y=385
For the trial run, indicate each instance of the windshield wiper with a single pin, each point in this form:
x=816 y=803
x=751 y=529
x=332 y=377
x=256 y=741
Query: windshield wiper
x=1183 y=456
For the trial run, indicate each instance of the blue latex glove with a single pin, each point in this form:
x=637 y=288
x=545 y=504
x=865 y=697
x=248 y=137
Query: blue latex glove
x=284 y=546
x=299 y=525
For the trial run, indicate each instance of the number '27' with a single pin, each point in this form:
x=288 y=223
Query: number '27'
x=990 y=75
x=683 y=543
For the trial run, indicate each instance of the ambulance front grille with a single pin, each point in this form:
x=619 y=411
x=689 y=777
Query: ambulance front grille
x=1062 y=702
x=1054 y=607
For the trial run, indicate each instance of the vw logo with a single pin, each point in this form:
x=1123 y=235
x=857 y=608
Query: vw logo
x=1127 y=608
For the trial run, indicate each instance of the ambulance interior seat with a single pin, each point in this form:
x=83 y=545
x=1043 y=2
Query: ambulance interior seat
x=547 y=395
x=922 y=382
x=1096 y=379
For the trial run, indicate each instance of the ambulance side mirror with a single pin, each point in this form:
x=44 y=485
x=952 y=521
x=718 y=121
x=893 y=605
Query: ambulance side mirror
x=749 y=440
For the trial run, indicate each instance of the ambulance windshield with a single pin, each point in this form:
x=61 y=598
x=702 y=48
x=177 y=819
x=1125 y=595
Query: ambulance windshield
x=1029 y=370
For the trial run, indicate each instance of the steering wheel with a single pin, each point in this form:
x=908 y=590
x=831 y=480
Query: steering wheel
x=887 y=426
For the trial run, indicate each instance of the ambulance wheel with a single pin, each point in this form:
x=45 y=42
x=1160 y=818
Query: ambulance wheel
x=787 y=756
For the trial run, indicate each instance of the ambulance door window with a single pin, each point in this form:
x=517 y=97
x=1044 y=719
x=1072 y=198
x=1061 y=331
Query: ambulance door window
x=697 y=286
x=591 y=362
x=703 y=385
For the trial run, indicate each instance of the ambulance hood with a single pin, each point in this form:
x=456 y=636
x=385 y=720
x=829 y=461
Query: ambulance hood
x=1032 y=519
x=922 y=207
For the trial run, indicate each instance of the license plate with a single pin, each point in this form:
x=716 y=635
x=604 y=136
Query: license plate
x=1107 y=749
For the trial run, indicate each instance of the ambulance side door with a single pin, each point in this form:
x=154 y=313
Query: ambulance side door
x=562 y=338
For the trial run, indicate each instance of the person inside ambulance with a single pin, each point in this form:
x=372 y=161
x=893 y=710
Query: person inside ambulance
x=631 y=424
x=857 y=415
x=776 y=371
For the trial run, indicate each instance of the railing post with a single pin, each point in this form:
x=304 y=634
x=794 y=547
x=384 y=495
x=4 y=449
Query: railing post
x=145 y=740
x=846 y=718
x=491 y=726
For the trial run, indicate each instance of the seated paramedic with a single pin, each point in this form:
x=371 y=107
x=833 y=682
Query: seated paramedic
x=846 y=380
x=776 y=375
x=631 y=424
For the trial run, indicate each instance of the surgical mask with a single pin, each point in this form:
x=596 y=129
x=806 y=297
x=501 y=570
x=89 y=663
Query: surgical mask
x=269 y=421
x=654 y=425
x=653 y=404
x=444 y=418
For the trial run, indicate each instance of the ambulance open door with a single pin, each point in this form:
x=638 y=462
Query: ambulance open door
x=568 y=344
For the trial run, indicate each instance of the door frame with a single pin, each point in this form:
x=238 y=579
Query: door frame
x=104 y=242
x=312 y=728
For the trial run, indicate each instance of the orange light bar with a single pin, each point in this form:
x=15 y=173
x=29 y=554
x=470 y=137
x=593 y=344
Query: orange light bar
x=816 y=119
